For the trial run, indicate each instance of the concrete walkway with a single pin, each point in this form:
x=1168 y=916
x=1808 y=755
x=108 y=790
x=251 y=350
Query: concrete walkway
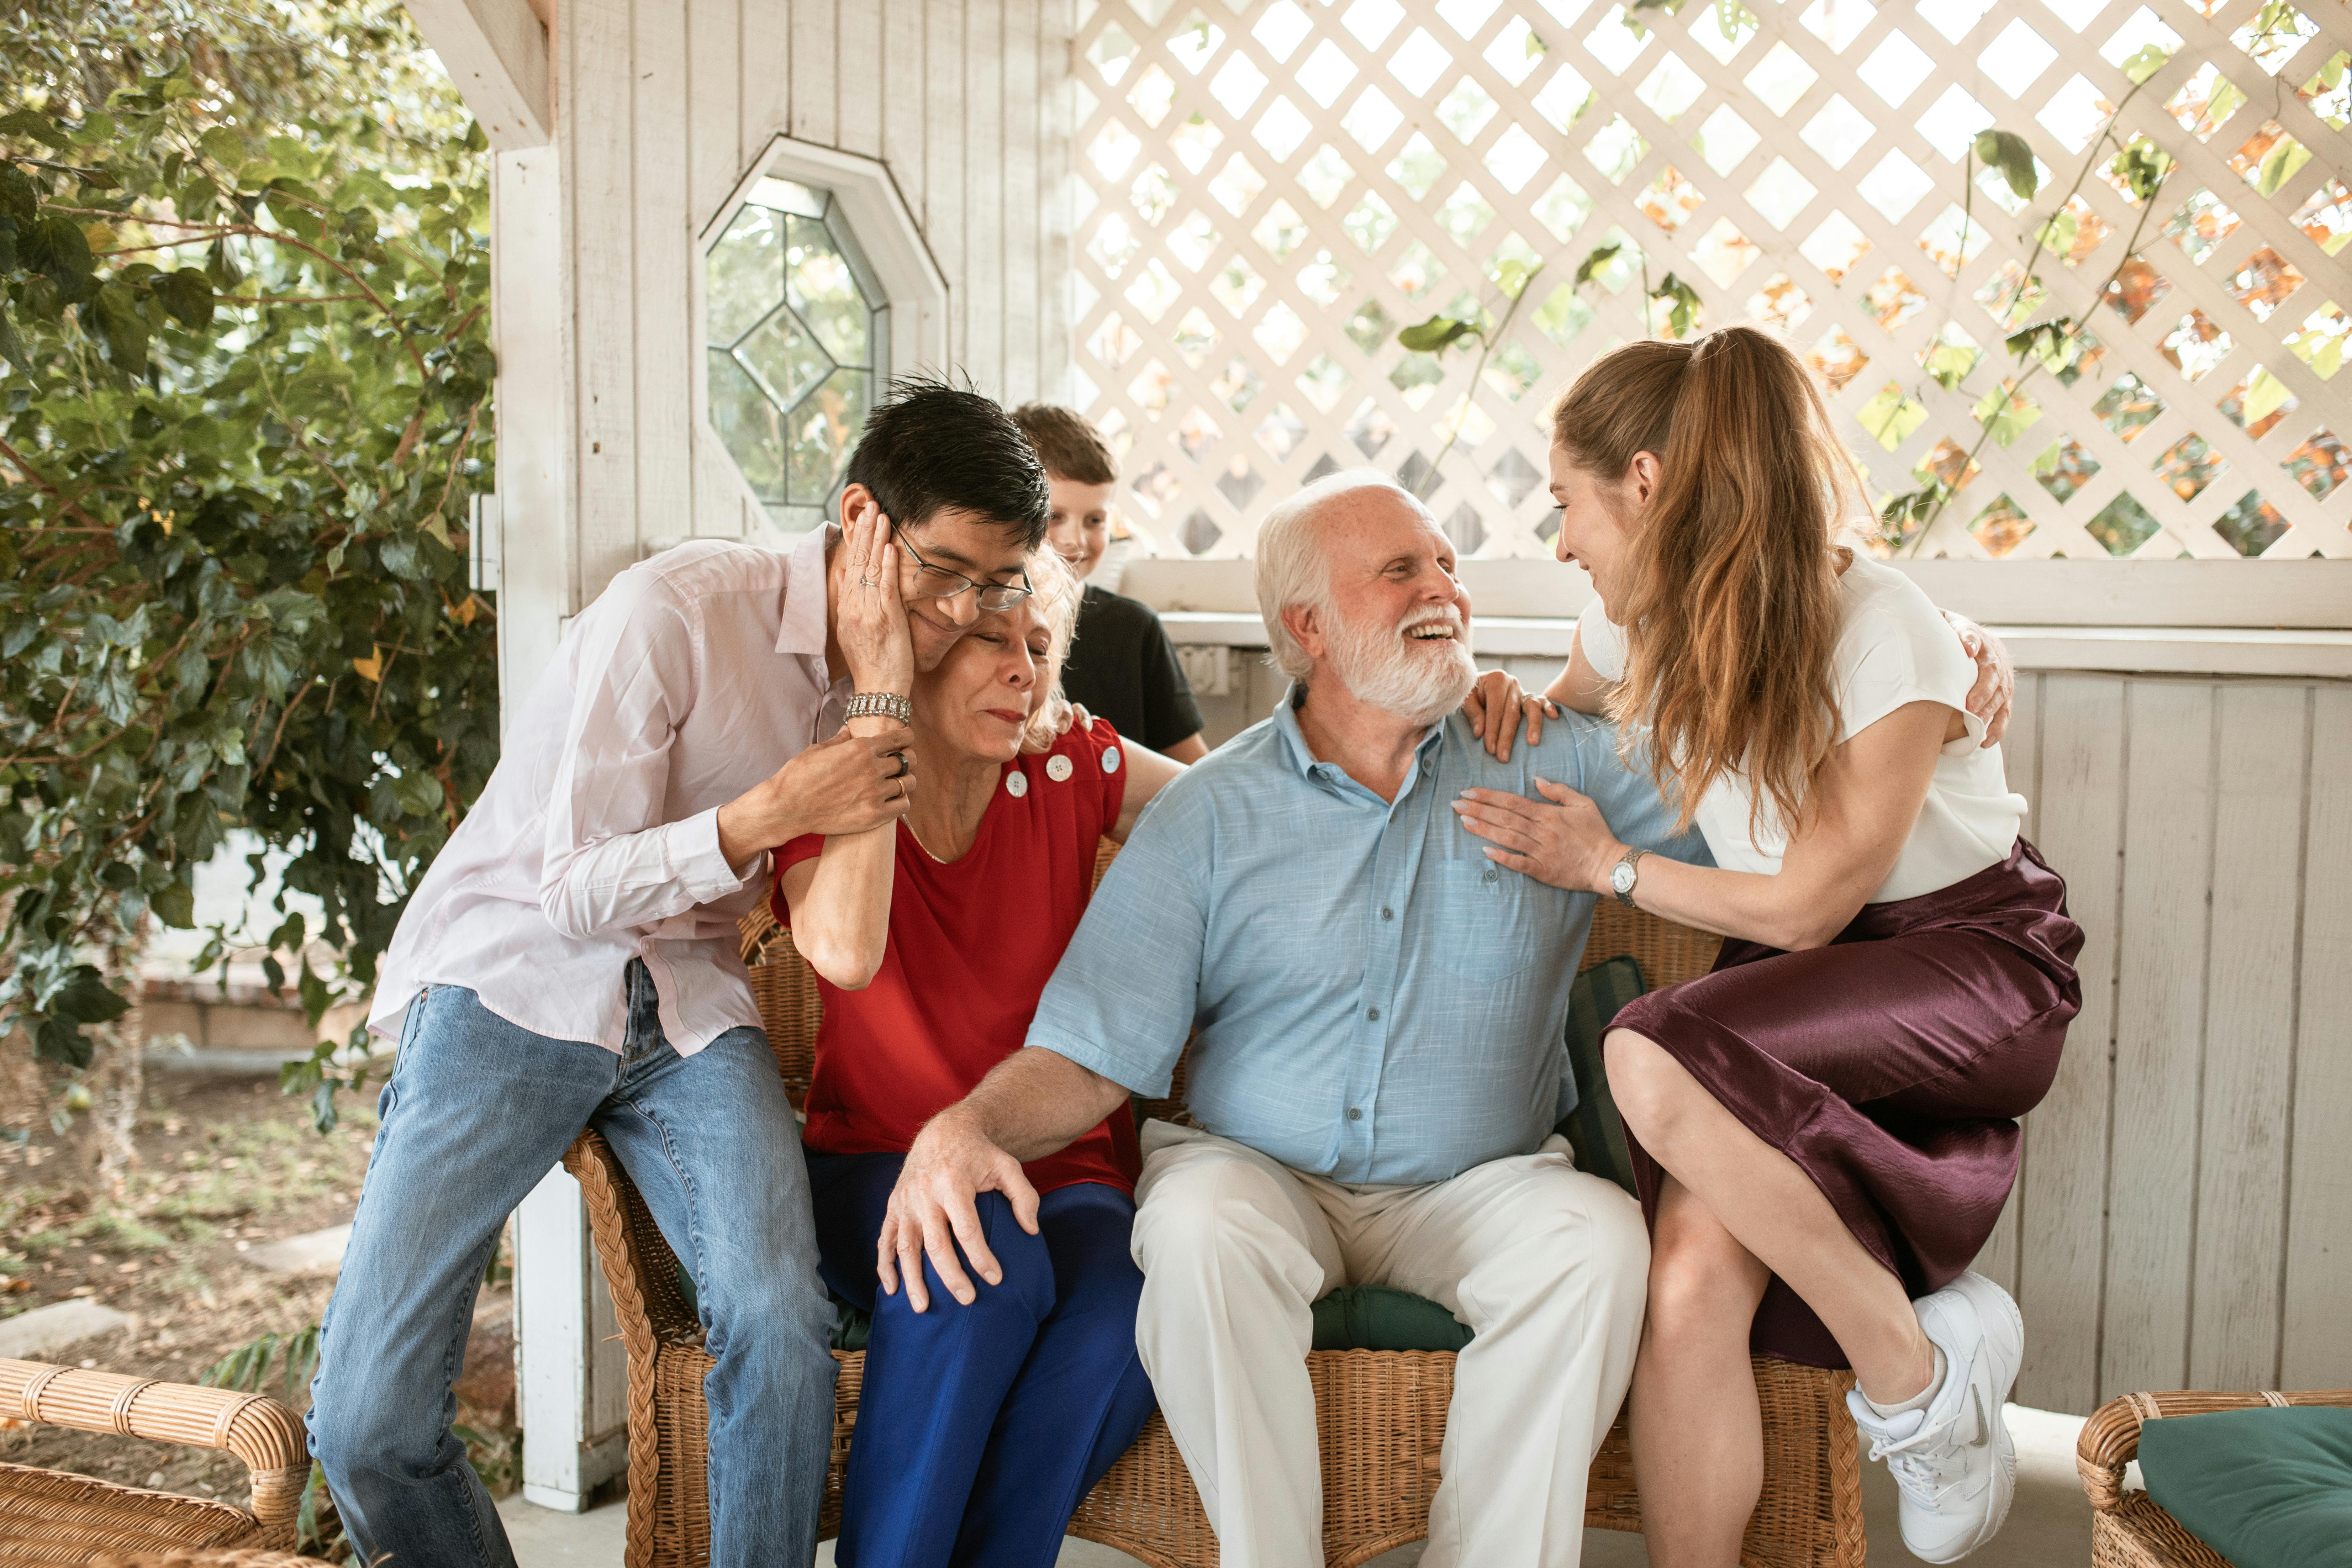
x=31 y=1336
x=2049 y=1526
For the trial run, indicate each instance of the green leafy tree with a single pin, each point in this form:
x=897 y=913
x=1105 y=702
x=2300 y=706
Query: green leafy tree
x=245 y=403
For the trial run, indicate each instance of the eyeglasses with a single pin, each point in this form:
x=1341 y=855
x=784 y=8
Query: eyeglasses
x=939 y=582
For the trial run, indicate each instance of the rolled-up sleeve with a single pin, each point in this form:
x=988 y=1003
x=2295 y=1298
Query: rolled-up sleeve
x=1121 y=1002
x=1629 y=802
x=610 y=861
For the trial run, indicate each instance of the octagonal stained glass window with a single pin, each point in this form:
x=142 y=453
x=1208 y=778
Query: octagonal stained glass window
x=799 y=338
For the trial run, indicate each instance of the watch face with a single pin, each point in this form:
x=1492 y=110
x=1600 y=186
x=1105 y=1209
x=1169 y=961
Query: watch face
x=1621 y=877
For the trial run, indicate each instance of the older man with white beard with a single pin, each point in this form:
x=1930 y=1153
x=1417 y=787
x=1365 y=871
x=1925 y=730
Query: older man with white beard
x=1376 y=1073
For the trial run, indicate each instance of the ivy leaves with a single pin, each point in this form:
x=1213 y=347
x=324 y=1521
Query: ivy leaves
x=243 y=410
x=2013 y=156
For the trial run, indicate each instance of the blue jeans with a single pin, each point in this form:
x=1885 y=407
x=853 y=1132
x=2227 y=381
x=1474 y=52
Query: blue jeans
x=476 y=1110
x=981 y=1428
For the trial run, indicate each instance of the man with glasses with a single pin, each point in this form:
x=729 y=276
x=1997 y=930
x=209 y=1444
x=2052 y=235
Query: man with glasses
x=570 y=960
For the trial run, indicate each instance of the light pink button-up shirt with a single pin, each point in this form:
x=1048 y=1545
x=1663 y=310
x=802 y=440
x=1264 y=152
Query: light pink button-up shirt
x=695 y=676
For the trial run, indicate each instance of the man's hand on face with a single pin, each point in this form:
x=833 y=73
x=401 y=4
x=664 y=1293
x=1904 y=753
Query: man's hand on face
x=1996 y=684
x=932 y=1209
x=870 y=613
x=845 y=784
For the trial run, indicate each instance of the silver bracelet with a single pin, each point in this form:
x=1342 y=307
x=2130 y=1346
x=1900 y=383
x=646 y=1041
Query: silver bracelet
x=880 y=705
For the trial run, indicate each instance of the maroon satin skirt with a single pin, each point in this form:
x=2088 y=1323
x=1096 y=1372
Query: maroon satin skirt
x=1891 y=1066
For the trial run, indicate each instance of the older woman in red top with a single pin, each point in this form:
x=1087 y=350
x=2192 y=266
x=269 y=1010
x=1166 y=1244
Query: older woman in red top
x=995 y=1399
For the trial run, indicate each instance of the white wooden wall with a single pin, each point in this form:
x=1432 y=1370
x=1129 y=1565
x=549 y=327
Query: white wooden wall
x=2184 y=1216
x=664 y=105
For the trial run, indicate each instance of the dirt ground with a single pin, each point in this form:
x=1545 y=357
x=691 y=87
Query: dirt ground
x=225 y=1165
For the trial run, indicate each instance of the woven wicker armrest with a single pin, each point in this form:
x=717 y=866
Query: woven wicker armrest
x=256 y=1428
x=230 y=1558
x=2110 y=1438
x=638 y=1265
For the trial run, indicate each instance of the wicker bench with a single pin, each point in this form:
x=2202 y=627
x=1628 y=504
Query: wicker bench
x=52 y=1518
x=1381 y=1413
x=2128 y=1529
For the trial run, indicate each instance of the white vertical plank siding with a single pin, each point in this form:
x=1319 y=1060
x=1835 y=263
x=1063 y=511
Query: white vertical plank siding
x=1057 y=95
x=765 y=99
x=2259 y=793
x=944 y=44
x=714 y=90
x=2316 y=1328
x=984 y=192
x=2160 y=1028
x=816 y=70
x=664 y=235
x=598 y=133
x=1024 y=223
x=857 y=108
x=2062 y=1219
x=905 y=100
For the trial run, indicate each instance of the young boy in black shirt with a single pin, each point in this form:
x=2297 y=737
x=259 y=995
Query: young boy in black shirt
x=1120 y=665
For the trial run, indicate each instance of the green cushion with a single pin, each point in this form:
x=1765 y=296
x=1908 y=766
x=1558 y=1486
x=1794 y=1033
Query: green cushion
x=1592 y=1128
x=1375 y=1318
x=2265 y=1488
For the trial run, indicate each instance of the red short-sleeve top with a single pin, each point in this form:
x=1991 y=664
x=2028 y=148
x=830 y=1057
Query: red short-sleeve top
x=972 y=942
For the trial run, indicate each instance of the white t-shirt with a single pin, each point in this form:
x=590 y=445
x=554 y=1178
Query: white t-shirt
x=1893 y=648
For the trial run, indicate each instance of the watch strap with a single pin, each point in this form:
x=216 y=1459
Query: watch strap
x=1633 y=863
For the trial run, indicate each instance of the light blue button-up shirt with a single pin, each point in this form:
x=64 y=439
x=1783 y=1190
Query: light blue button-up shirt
x=1376 y=1001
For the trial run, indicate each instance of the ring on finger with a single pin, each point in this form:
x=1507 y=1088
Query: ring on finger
x=905 y=767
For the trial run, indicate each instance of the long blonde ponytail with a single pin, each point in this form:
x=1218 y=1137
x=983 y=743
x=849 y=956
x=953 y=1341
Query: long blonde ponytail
x=1731 y=610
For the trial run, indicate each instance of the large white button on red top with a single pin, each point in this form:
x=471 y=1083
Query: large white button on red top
x=1016 y=783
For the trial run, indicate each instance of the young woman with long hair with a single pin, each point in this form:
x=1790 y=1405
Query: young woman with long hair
x=1824 y=1128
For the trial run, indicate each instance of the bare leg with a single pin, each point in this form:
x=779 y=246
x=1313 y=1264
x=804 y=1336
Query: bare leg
x=1774 y=1210
x=1698 y=1435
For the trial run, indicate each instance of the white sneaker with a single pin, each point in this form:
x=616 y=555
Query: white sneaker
x=1953 y=1460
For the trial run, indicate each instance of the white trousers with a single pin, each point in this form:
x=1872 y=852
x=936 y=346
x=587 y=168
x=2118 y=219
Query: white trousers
x=1548 y=1266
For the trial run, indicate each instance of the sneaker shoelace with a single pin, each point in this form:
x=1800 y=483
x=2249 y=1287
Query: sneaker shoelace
x=1917 y=1471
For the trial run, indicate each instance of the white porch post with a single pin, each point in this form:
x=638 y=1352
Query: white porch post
x=572 y=1375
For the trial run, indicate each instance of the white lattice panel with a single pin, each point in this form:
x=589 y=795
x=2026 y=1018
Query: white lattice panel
x=1269 y=190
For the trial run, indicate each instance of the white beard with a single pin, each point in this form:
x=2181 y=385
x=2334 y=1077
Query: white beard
x=1419 y=681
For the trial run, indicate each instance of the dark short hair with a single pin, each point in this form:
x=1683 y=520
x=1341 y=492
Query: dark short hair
x=930 y=446
x=1068 y=445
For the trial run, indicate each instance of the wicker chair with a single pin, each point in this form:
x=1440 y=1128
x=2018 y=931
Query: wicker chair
x=1381 y=1413
x=2128 y=1529
x=50 y=1517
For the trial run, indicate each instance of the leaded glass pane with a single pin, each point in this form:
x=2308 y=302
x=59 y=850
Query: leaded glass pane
x=799 y=330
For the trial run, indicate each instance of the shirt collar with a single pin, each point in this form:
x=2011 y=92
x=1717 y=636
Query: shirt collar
x=803 y=624
x=1303 y=761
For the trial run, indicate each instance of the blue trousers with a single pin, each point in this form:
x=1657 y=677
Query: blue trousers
x=476 y=1110
x=981 y=1428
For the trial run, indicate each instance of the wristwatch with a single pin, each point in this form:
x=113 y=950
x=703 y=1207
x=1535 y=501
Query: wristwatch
x=880 y=705
x=1625 y=875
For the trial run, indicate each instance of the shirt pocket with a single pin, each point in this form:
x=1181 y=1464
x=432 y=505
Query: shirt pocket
x=1486 y=925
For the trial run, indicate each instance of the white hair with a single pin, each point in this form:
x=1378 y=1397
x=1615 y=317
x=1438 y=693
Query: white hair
x=1054 y=592
x=1294 y=570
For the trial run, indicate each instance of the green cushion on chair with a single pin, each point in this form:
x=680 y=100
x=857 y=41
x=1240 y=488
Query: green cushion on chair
x=1375 y=1318
x=1592 y=1128
x=2265 y=1488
